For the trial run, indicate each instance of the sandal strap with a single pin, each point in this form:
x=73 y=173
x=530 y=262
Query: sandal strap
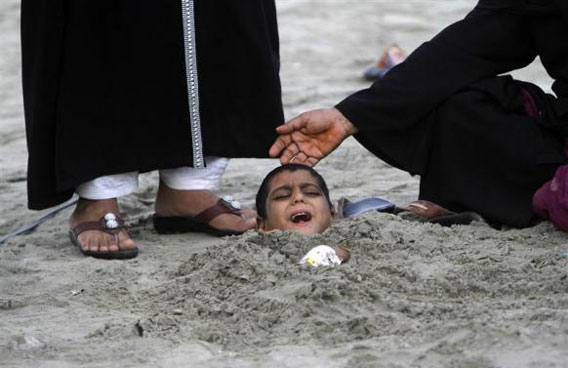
x=217 y=209
x=100 y=225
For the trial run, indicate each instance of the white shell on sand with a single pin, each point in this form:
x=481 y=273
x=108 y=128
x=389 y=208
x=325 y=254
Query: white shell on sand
x=321 y=255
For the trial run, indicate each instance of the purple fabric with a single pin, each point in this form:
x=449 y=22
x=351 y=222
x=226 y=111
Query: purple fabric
x=551 y=200
x=529 y=104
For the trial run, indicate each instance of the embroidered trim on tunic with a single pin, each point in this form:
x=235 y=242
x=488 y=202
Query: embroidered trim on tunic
x=192 y=81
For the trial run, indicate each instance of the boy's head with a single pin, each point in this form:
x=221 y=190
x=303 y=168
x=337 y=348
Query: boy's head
x=294 y=197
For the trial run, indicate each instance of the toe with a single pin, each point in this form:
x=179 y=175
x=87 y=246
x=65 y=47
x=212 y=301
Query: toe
x=112 y=243
x=252 y=224
x=249 y=213
x=104 y=243
x=247 y=224
x=84 y=242
x=92 y=245
x=125 y=242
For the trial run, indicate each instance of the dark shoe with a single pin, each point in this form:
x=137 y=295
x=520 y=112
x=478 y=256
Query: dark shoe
x=111 y=224
x=200 y=222
x=426 y=211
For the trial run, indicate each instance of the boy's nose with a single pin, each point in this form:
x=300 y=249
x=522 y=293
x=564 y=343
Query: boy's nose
x=298 y=197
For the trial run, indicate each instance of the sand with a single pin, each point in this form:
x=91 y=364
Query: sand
x=412 y=294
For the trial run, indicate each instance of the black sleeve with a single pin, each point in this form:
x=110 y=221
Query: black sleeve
x=392 y=116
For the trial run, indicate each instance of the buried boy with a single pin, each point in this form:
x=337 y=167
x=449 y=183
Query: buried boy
x=295 y=197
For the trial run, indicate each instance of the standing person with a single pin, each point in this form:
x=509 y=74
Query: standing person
x=113 y=88
x=481 y=142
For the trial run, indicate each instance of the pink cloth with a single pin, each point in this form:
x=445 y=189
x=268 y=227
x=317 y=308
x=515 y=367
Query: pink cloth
x=551 y=200
x=529 y=105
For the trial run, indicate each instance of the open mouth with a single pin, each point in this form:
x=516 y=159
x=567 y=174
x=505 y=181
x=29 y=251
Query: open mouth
x=301 y=217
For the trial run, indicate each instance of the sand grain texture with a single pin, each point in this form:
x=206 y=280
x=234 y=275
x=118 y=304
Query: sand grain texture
x=412 y=295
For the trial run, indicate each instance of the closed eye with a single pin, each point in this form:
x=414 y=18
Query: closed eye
x=313 y=194
x=311 y=190
x=281 y=194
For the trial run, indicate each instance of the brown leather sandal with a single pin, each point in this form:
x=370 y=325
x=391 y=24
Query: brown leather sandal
x=426 y=211
x=200 y=222
x=111 y=224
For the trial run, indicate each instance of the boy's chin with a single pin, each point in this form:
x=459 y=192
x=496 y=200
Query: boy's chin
x=308 y=230
x=301 y=231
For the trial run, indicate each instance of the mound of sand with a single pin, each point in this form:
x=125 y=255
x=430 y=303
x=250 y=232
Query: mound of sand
x=412 y=294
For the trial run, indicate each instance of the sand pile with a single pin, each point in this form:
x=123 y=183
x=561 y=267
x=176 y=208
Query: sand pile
x=412 y=294
x=467 y=289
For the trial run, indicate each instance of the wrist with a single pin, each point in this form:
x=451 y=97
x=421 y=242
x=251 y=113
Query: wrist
x=347 y=125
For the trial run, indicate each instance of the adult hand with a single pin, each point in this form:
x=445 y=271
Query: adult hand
x=311 y=136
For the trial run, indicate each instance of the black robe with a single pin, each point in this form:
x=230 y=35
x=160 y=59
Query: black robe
x=445 y=115
x=105 y=87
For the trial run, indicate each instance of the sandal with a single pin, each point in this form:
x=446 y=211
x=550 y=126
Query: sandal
x=111 y=224
x=426 y=211
x=200 y=222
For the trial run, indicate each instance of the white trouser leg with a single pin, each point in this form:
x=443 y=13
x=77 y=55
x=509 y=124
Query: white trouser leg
x=110 y=186
x=188 y=178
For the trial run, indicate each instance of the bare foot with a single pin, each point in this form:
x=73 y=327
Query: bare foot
x=391 y=57
x=94 y=240
x=172 y=202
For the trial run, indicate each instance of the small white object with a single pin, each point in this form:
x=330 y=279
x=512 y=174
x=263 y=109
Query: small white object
x=236 y=205
x=111 y=224
x=322 y=255
x=110 y=216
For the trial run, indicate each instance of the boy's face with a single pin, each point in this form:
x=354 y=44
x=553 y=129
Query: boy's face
x=296 y=202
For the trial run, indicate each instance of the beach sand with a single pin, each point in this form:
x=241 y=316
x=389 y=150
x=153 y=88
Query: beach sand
x=412 y=294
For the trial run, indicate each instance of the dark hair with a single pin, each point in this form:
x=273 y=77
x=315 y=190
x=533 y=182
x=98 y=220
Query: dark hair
x=264 y=189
